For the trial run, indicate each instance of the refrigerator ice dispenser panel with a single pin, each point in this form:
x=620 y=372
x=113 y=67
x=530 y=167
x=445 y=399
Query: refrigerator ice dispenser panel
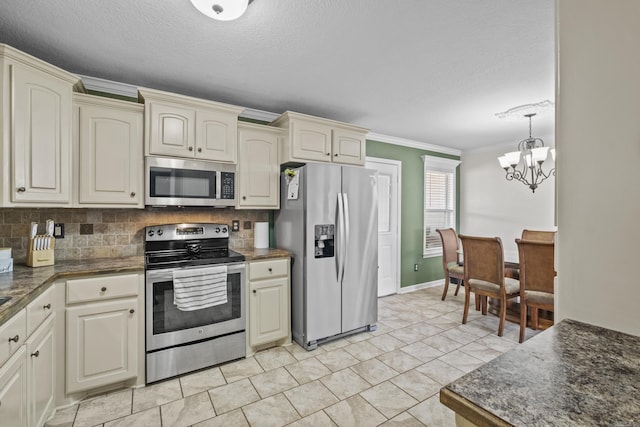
x=324 y=236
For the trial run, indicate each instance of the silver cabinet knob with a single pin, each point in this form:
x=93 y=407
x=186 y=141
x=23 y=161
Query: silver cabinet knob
x=133 y=194
x=132 y=311
x=21 y=189
x=199 y=150
x=36 y=354
x=47 y=307
x=190 y=148
x=104 y=289
x=15 y=339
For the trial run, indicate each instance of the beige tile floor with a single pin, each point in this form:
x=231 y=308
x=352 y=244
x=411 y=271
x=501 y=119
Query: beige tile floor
x=389 y=377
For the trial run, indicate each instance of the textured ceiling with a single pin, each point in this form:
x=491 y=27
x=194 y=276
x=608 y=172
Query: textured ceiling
x=432 y=71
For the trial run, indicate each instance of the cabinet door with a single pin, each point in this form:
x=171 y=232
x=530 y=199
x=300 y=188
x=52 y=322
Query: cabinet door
x=216 y=136
x=13 y=391
x=268 y=311
x=310 y=141
x=102 y=341
x=41 y=373
x=258 y=170
x=41 y=137
x=348 y=147
x=110 y=145
x=171 y=130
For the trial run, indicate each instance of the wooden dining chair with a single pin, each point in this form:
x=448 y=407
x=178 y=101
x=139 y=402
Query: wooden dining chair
x=542 y=236
x=450 y=259
x=536 y=280
x=484 y=275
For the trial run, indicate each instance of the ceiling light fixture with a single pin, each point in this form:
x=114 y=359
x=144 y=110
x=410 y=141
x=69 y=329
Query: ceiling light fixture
x=222 y=10
x=525 y=165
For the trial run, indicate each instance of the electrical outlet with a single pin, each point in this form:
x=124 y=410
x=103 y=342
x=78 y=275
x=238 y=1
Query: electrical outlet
x=58 y=231
x=235 y=225
x=415 y=267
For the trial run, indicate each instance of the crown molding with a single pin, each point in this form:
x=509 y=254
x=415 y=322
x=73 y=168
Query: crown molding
x=413 y=144
x=108 y=86
x=265 y=116
x=131 y=91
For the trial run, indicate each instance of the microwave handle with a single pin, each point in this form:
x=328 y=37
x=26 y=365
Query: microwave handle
x=218 y=185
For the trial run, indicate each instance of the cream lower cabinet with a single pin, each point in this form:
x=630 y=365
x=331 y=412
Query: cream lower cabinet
x=13 y=390
x=109 y=145
x=27 y=378
x=102 y=331
x=258 y=167
x=41 y=373
x=269 y=302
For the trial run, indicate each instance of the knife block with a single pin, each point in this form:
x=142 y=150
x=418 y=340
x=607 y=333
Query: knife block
x=40 y=257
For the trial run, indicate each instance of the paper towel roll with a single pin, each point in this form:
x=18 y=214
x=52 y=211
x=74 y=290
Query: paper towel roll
x=261 y=235
x=5 y=253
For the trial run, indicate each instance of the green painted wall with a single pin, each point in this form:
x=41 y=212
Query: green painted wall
x=429 y=269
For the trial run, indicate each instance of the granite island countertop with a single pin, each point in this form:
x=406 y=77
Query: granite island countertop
x=572 y=374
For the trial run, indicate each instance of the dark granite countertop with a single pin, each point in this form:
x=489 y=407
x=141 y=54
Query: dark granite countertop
x=25 y=283
x=572 y=374
x=258 y=254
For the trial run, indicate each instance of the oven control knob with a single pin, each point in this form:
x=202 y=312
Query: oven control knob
x=217 y=229
x=224 y=229
x=159 y=232
x=150 y=233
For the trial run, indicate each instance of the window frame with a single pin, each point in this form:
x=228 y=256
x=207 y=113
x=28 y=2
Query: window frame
x=443 y=165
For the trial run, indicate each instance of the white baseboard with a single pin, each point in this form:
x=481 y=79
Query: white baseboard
x=419 y=286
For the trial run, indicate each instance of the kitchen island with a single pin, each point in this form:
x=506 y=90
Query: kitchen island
x=573 y=374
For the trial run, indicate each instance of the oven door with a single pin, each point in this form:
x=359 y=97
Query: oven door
x=166 y=326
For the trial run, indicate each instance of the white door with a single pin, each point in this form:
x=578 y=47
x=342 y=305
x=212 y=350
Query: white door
x=389 y=173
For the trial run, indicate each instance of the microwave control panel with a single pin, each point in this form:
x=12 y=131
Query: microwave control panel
x=227 y=187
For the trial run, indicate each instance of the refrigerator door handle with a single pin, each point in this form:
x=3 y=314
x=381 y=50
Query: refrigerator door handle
x=347 y=219
x=339 y=233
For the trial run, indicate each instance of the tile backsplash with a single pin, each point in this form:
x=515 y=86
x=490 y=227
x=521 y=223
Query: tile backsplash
x=110 y=233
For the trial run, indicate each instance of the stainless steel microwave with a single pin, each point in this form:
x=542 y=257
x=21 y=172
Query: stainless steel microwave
x=182 y=182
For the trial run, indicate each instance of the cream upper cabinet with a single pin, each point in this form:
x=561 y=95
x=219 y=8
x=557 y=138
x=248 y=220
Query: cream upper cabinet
x=320 y=140
x=181 y=126
x=258 y=167
x=109 y=146
x=269 y=302
x=36 y=131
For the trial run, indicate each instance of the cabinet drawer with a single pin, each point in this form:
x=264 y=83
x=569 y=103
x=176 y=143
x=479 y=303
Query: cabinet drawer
x=267 y=269
x=12 y=335
x=39 y=309
x=101 y=288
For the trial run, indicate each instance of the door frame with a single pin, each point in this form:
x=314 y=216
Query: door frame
x=398 y=205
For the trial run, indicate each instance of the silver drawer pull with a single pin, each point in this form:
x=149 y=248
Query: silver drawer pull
x=15 y=339
x=36 y=354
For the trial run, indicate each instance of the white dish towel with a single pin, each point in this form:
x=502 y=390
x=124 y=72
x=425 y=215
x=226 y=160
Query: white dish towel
x=198 y=288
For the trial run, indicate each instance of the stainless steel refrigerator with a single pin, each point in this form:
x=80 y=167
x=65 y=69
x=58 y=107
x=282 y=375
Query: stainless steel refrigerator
x=328 y=219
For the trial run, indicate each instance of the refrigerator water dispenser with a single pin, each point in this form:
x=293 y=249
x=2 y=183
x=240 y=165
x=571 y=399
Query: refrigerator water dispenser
x=324 y=234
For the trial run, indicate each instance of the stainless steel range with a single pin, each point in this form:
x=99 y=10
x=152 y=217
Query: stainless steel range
x=195 y=302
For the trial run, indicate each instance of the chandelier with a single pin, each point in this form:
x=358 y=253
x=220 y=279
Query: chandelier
x=525 y=165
